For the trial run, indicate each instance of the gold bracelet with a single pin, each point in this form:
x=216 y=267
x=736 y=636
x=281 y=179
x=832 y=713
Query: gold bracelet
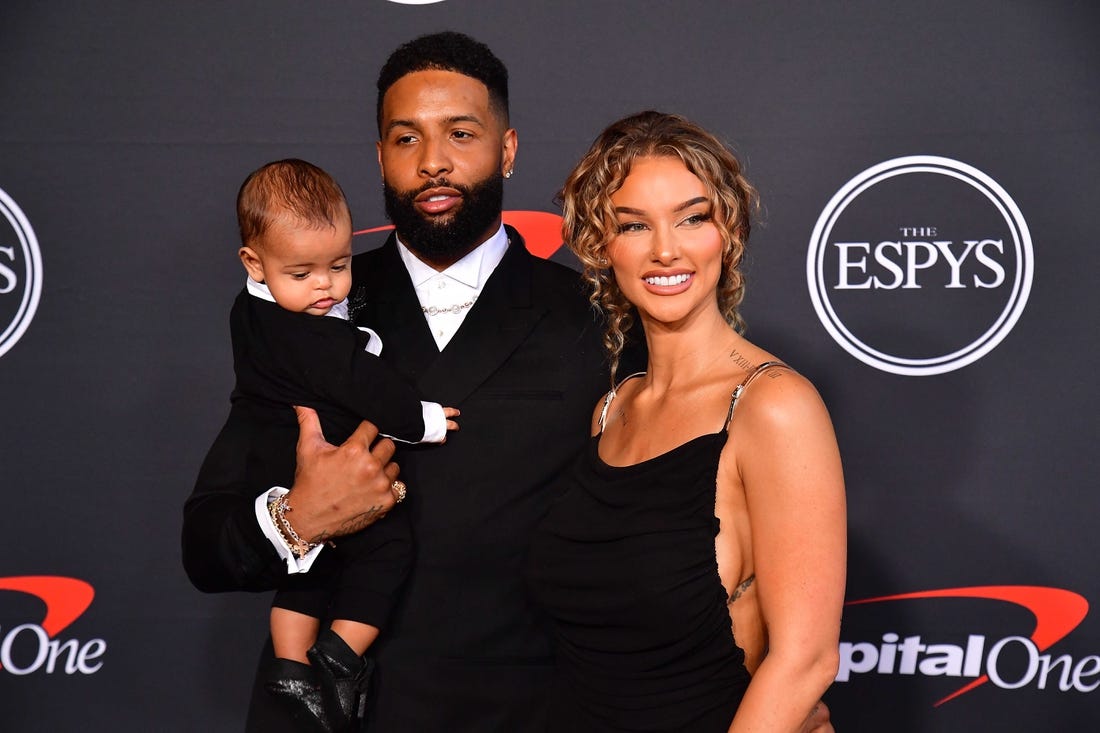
x=283 y=506
x=294 y=541
x=273 y=510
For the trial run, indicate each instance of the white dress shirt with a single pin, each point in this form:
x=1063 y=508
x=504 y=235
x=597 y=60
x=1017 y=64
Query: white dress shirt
x=446 y=297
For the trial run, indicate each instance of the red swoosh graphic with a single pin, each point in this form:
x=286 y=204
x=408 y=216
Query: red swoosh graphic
x=1057 y=612
x=65 y=598
x=541 y=230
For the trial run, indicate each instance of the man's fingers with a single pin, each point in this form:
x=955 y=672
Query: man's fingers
x=309 y=426
x=818 y=722
x=364 y=434
x=383 y=450
x=392 y=470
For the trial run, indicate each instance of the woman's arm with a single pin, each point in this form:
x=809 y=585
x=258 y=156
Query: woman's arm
x=785 y=458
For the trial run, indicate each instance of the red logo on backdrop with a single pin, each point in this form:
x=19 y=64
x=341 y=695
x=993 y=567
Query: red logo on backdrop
x=32 y=647
x=541 y=230
x=1057 y=612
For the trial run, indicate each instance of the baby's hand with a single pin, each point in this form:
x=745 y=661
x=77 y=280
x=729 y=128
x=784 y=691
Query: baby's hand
x=451 y=412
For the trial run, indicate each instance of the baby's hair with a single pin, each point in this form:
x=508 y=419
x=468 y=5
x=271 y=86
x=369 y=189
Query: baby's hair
x=288 y=187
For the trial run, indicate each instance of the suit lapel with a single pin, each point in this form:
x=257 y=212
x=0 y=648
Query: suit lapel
x=496 y=325
x=389 y=305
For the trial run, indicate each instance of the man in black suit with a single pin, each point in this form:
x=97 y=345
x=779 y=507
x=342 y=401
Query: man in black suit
x=475 y=321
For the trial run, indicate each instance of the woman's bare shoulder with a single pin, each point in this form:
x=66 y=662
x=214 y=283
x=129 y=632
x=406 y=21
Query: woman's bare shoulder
x=777 y=410
x=779 y=394
x=621 y=393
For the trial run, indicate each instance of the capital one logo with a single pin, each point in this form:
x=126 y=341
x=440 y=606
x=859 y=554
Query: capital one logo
x=20 y=273
x=39 y=647
x=920 y=265
x=1011 y=662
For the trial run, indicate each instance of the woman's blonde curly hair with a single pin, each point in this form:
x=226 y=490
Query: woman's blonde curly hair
x=589 y=223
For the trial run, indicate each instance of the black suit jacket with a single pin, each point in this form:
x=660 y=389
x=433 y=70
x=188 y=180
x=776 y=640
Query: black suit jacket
x=465 y=651
x=283 y=358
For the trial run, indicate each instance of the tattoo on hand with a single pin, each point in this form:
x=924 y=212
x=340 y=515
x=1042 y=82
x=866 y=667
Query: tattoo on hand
x=360 y=521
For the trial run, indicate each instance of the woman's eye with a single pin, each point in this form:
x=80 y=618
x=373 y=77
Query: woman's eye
x=698 y=218
x=631 y=226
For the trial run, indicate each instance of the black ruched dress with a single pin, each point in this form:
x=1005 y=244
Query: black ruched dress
x=624 y=564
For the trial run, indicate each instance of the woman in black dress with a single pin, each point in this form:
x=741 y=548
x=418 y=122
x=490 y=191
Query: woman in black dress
x=694 y=565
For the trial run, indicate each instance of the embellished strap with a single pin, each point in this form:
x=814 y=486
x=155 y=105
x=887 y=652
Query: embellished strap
x=747 y=582
x=747 y=381
x=610 y=396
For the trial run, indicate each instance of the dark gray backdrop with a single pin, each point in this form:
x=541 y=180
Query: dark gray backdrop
x=126 y=128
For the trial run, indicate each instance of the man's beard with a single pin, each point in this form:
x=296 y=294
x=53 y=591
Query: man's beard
x=451 y=237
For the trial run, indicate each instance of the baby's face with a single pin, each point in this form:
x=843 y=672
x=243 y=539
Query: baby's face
x=307 y=270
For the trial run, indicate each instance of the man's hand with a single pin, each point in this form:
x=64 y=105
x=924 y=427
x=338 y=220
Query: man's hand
x=818 y=722
x=339 y=490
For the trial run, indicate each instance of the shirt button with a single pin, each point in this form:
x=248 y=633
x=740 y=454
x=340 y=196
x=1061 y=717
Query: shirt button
x=442 y=284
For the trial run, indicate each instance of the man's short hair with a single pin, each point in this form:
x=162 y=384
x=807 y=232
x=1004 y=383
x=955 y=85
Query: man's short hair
x=288 y=187
x=448 y=51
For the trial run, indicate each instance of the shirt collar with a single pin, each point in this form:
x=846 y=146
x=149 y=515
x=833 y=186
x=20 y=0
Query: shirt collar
x=261 y=291
x=472 y=270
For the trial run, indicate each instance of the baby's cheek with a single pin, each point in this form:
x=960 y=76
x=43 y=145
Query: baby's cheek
x=341 y=285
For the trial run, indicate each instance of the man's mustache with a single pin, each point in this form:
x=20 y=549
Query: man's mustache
x=437 y=183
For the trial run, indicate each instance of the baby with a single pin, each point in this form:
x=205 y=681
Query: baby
x=294 y=343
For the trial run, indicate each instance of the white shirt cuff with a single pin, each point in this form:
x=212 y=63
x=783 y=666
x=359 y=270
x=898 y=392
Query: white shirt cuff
x=293 y=564
x=435 y=425
x=374 y=344
x=435 y=422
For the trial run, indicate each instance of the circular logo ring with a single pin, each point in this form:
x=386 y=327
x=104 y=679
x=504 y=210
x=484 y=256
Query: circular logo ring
x=979 y=347
x=31 y=273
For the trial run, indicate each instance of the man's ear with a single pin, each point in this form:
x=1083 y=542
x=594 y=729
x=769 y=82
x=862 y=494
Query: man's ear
x=252 y=263
x=381 y=168
x=509 y=144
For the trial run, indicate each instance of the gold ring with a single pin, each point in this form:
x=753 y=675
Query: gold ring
x=399 y=490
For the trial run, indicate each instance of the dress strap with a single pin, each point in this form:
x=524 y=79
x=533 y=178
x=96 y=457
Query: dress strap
x=610 y=396
x=745 y=383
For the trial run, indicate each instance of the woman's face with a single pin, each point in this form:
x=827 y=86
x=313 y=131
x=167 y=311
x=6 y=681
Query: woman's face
x=667 y=255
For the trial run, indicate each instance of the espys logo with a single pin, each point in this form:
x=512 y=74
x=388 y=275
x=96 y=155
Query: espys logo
x=920 y=265
x=541 y=230
x=29 y=648
x=1010 y=663
x=20 y=273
